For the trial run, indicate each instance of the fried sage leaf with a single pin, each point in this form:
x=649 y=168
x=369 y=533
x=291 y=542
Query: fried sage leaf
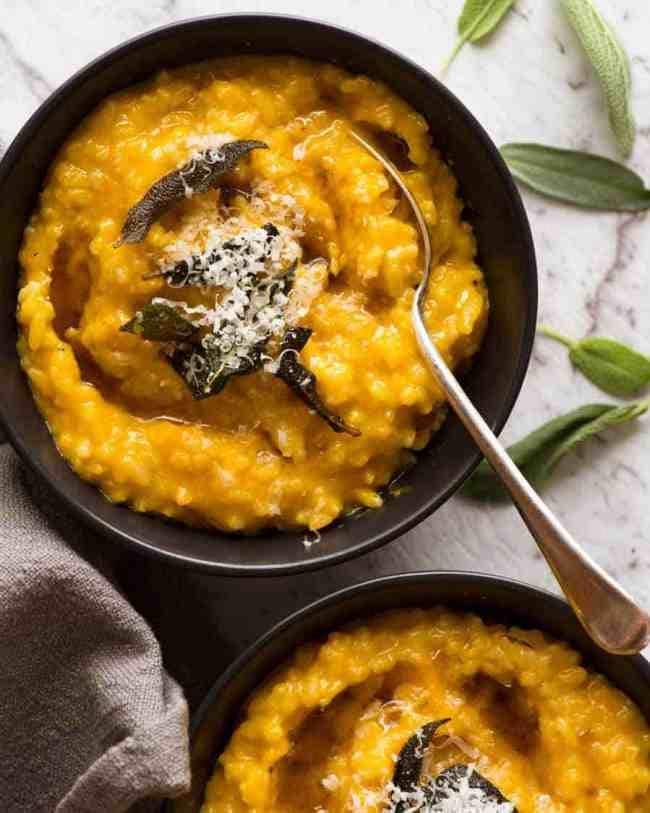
x=302 y=381
x=477 y=19
x=465 y=785
x=243 y=323
x=408 y=768
x=539 y=452
x=195 y=177
x=611 y=64
x=610 y=365
x=161 y=321
x=580 y=178
x=203 y=369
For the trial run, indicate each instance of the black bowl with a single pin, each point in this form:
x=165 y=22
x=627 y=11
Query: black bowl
x=493 y=206
x=494 y=599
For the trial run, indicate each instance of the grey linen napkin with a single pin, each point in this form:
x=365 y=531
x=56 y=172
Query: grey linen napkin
x=89 y=720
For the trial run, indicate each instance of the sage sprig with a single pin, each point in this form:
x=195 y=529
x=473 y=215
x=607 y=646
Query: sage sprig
x=580 y=178
x=612 y=366
x=538 y=453
x=611 y=64
x=477 y=19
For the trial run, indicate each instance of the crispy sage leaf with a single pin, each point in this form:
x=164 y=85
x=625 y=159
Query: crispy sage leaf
x=539 y=452
x=160 y=322
x=611 y=65
x=195 y=177
x=449 y=785
x=207 y=366
x=575 y=177
x=302 y=381
x=201 y=366
x=408 y=767
x=610 y=365
x=477 y=19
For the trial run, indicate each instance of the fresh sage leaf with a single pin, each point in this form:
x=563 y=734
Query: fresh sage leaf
x=195 y=177
x=611 y=65
x=580 y=178
x=160 y=321
x=477 y=19
x=538 y=453
x=610 y=365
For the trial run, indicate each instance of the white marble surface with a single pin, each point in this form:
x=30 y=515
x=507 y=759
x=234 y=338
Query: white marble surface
x=530 y=82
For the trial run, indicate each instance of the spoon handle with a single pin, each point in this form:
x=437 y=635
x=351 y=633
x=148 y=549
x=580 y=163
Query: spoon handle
x=609 y=615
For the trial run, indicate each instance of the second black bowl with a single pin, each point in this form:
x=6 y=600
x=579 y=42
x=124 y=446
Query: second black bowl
x=494 y=599
x=493 y=207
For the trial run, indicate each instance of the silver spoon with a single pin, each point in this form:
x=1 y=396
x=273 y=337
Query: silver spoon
x=609 y=615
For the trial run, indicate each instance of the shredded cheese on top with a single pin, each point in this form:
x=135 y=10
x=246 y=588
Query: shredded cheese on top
x=462 y=797
x=246 y=265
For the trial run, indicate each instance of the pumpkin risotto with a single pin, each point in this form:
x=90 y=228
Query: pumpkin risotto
x=438 y=712
x=215 y=293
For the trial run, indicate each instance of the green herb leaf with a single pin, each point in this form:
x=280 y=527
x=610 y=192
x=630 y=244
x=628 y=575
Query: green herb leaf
x=611 y=65
x=574 y=177
x=160 y=322
x=610 y=365
x=539 y=452
x=477 y=19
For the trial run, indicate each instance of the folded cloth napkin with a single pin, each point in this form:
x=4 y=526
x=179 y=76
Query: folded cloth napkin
x=89 y=720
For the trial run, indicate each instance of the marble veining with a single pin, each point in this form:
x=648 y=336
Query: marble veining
x=530 y=82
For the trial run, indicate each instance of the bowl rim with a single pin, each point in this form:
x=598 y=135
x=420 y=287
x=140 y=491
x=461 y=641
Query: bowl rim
x=493 y=584
x=489 y=580
x=112 y=530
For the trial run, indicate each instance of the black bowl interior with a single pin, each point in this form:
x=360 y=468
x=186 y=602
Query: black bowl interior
x=493 y=206
x=494 y=599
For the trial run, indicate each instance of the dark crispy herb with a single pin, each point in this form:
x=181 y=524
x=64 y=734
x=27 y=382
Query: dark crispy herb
x=302 y=381
x=538 y=453
x=202 y=367
x=193 y=271
x=408 y=768
x=408 y=778
x=447 y=785
x=161 y=322
x=195 y=177
x=207 y=366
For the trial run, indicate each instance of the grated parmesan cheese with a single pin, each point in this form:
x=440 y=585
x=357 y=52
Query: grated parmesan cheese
x=252 y=270
x=331 y=782
x=462 y=797
x=311 y=538
x=208 y=141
